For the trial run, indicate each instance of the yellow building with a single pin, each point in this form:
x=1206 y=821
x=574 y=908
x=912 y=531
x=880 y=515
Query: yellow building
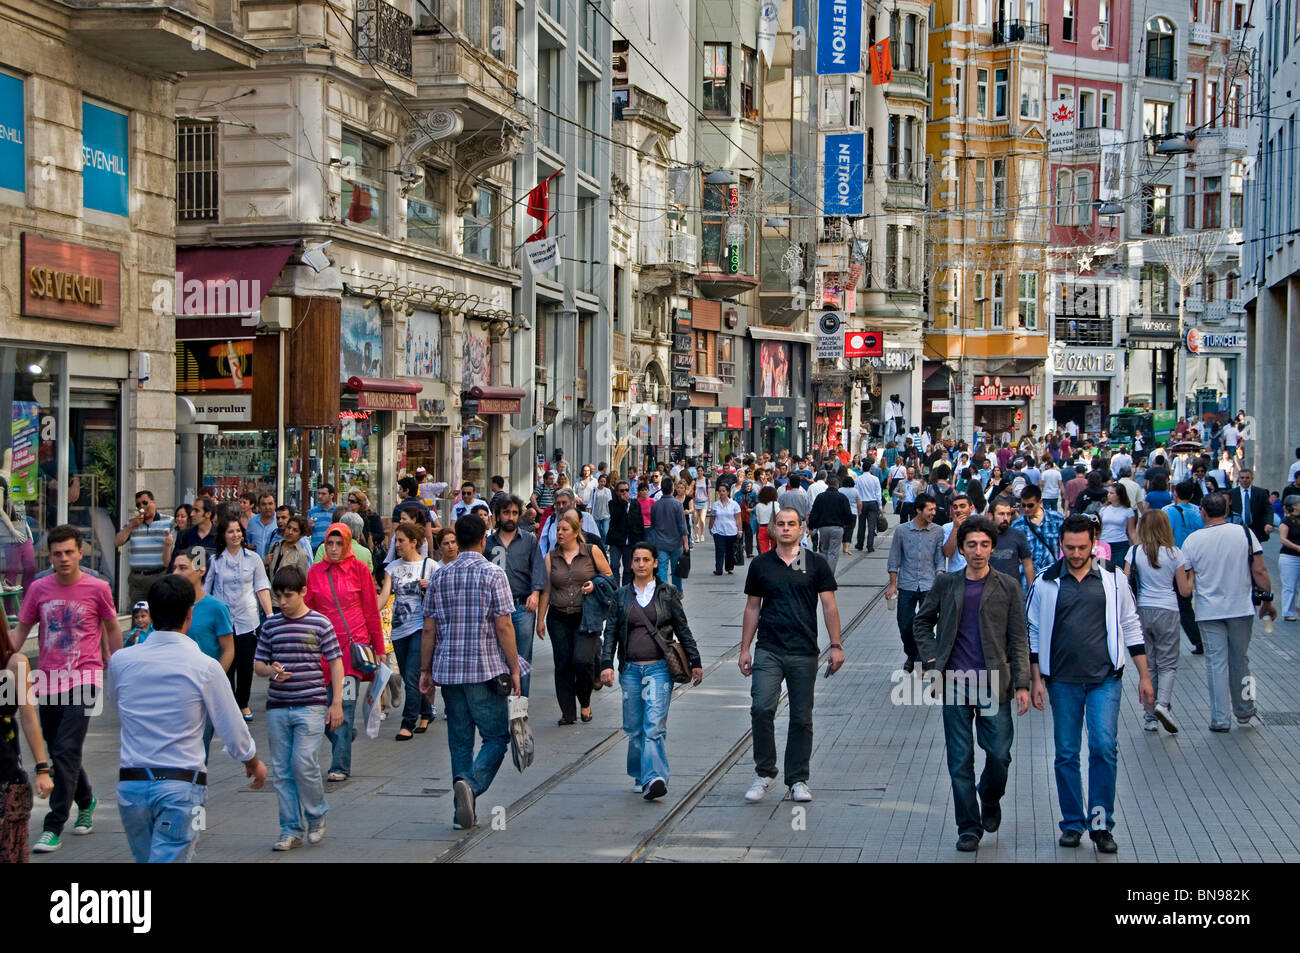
x=986 y=340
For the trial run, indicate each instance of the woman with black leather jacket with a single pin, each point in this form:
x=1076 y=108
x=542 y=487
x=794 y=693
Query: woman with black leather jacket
x=648 y=614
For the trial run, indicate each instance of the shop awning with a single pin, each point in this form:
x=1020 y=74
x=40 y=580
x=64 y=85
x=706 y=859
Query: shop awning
x=383 y=393
x=497 y=400
x=218 y=290
x=768 y=334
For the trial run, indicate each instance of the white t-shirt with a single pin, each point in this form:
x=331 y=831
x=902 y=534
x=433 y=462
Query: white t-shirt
x=1156 y=586
x=1114 y=523
x=1051 y=484
x=1135 y=493
x=1119 y=462
x=764 y=512
x=1230 y=436
x=408 y=597
x=956 y=562
x=1290 y=474
x=724 y=523
x=1217 y=554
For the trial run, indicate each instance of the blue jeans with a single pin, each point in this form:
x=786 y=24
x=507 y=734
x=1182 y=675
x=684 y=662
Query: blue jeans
x=293 y=735
x=525 y=624
x=647 y=690
x=603 y=526
x=667 y=564
x=476 y=706
x=799 y=672
x=341 y=738
x=161 y=819
x=1097 y=704
x=407 y=650
x=995 y=733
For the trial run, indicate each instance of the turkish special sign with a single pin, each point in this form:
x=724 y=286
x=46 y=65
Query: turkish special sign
x=842 y=191
x=105 y=169
x=1198 y=340
x=496 y=405
x=13 y=162
x=70 y=282
x=1004 y=388
x=839 y=36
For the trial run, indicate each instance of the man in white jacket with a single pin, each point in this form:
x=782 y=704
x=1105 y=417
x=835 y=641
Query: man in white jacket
x=1081 y=614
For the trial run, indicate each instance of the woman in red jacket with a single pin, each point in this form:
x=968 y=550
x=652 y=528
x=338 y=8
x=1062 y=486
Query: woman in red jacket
x=341 y=588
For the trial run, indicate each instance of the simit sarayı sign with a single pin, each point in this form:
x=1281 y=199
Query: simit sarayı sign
x=839 y=36
x=1004 y=388
x=843 y=187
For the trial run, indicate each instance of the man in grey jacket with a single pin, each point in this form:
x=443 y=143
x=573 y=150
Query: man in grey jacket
x=970 y=633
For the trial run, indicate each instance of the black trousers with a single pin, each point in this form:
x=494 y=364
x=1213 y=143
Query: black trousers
x=575 y=659
x=748 y=529
x=241 y=669
x=63 y=725
x=868 y=517
x=1187 y=616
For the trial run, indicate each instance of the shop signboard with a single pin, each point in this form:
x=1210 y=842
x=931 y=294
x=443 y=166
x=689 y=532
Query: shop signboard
x=1004 y=388
x=1198 y=340
x=13 y=165
x=681 y=401
x=681 y=380
x=222 y=408
x=940 y=406
x=864 y=344
x=682 y=343
x=839 y=37
x=842 y=190
x=682 y=362
x=361 y=339
x=1152 y=328
x=105 y=160
x=389 y=400
x=70 y=282
x=216 y=365
x=1084 y=361
x=891 y=361
x=830 y=336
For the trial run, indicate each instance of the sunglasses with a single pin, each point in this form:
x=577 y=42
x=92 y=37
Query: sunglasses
x=353 y=499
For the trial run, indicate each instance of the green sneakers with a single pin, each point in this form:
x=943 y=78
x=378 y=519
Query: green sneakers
x=47 y=843
x=86 y=818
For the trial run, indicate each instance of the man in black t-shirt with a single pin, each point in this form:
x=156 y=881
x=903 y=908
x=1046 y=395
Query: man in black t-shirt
x=783 y=588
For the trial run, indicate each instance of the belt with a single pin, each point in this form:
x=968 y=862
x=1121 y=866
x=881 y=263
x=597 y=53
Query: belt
x=162 y=774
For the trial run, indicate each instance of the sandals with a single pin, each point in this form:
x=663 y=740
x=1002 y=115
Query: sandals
x=586 y=717
x=422 y=727
x=565 y=721
x=403 y=737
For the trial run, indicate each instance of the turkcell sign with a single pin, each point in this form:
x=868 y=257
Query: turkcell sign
x=839 y=36
x=843 y=189
x=12 y=153
x=105 y=176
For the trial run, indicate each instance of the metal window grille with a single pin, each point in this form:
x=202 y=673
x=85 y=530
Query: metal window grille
x=197 y=175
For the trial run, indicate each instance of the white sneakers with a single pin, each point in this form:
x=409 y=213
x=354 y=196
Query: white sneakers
x=316 y=834
x=799 y=791
x=1166 y=718
x=758 y=789
x=287 y=843
x=1150 y=725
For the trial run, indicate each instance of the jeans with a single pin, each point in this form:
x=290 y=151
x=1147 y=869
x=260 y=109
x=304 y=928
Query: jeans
x=241 y=669
x=341 y=738
x=724 y=553
x=293 y=735
x=1050 y=503
x=799 y=672
x=1227 y=667
x=407 y=650
x=525 y=624
x=603 y=526
x=1288 y=567
x=161 y=819
x=868 y=517
x=1098 y=704
x=647 y=690
x=1160 y=632
x=667 y=563
x=620 y=555
x=575 y=657
x=469 y=707
x=1187 y=616
x=995 y=733
x=830 y=539
x=908 y=602
x=63 y=725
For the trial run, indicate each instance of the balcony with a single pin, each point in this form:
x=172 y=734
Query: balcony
x=160 y=37
x=1194 y=305
x=1216 y=312
x=383 y=36
x=1241 y=40
x=1237 y=305
x=1029 y=227
x=1095 y=332
x=1020 y=31
x=677 y=250
x=1238 y=140
x=1199 y=34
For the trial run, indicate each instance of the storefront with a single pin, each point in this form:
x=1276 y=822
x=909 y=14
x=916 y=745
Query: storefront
x=1087 y=386
x=1214 y=379
x=1153 y=343
x=1003 y=403
x=484 y=409
x=828 y=425
x=775 y=424
x=368 y=406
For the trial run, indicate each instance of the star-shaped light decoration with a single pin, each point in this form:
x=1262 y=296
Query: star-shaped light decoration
x=1085 y=263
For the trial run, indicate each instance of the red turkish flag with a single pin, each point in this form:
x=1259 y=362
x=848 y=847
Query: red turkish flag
x=539 y=206
x=882 y=64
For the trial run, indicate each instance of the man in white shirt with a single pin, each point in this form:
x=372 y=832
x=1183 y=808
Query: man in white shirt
x=1118 y=462
x=1223 y=563
x=817 y=486
x=1230 y=437
x=870 y=500
x=165 y=690
x=564 y=502
x=468 y=500
x=1072 y=429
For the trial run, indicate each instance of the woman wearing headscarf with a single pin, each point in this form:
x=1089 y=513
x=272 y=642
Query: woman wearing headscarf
x=341 y=588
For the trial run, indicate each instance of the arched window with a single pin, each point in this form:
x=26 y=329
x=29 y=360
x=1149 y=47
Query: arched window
x=1083 y=199
x=1160 y=48
x=1064 y=197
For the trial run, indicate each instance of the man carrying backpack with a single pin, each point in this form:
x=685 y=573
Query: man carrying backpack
x=943 y=493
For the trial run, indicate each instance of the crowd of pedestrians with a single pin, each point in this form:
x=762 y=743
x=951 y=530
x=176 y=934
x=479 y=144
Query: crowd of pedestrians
x=1016 y=575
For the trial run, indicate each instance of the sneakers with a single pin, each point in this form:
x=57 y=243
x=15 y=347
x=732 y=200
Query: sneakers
x=464 y=796
x=1070 y=838
x=968 y=843
x=85 y=822
x=287 y=842
x=799 y=791
x=336 y=776
x=1166 y=718
x=1250 y=721
x=316 y=834
x=47 y=843
x=636 y=788
x=759 y=789
x=1150 y=724
x=655 y=789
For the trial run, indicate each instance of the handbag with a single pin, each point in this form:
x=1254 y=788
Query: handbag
x=683 y=568
x=1258 y=594
x=679 y=664
x=363 y=656
x=882 y=522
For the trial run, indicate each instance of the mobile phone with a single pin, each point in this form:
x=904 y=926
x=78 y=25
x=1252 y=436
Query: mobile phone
x=829 y=671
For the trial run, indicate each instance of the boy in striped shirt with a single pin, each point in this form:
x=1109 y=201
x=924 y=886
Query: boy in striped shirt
x=293 y=651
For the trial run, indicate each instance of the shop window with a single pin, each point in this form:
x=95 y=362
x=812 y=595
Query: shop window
x=359 y=439
x=364 y=195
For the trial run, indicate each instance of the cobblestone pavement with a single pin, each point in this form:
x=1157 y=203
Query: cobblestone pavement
x=878 y=773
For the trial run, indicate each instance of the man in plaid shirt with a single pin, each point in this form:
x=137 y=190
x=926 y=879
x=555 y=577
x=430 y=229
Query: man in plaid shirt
x=468 y=645
x=1042 y=527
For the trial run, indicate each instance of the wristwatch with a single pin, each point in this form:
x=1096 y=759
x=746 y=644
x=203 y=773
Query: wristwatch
x=838 y=645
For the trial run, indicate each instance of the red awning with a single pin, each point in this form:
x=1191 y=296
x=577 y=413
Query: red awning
x=226 y=282
x=383 y=393
x=501 y=393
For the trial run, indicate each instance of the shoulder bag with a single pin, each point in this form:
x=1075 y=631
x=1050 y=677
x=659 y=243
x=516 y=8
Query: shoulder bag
x=679 y=663
x=363 y=656
x=1258 y=595
x=683 y=565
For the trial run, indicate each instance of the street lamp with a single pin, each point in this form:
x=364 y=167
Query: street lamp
x=550 y=410
x=1176 y=144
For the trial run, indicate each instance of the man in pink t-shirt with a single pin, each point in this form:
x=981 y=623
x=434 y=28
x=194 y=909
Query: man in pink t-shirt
x=77 y=615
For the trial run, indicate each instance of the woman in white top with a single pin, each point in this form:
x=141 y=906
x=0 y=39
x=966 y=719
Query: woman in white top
x=724 y=524
x=416 y=516
x=586 y=485
x=1158 y=566
x=237 y=578
x=1118 y=523
x=600 y=498
x=406 y=578
x=701 y=484
x=764 y=511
